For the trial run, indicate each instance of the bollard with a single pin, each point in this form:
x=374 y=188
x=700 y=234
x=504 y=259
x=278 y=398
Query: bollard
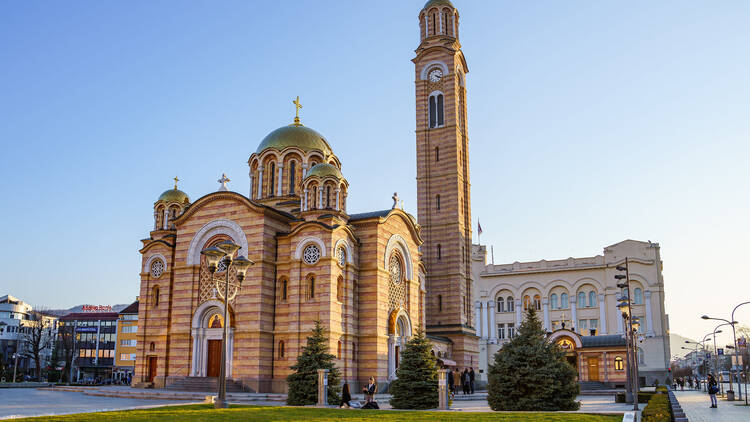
x=443 y=389
x=322 y=387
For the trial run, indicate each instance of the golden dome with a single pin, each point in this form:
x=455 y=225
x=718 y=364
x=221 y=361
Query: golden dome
x=295 y=135
x=174 y=195
x=324 y=170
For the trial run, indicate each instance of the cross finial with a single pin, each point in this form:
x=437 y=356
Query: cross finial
x=395 y=200
x=175 y=182
x=224 y=179
x=297 y=106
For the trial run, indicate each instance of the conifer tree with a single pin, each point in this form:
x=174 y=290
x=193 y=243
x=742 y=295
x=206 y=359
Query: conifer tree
x=531 y=373
x=303 y=383
x=417 y=383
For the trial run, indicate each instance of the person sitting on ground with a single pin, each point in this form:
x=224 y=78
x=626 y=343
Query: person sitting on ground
x=346 y=396
x=370 y=390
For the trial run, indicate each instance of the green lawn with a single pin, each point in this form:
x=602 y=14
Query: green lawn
x=204 y=412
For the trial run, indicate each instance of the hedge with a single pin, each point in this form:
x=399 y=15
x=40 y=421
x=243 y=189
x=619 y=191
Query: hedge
x=657 y=409
x=643 y=397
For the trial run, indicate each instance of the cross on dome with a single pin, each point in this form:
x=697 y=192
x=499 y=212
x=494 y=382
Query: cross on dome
x=175 y=182
x=297 y=106
x=224 y=179
x=395 y=200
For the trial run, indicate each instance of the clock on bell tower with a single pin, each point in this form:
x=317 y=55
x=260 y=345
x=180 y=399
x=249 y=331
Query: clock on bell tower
x=443 y=188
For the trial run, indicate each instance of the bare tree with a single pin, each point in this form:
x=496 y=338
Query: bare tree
x=66 y=347
x=36 y=337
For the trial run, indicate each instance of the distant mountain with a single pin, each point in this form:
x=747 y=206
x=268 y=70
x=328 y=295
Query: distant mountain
x=79 y=308
x=676 y=342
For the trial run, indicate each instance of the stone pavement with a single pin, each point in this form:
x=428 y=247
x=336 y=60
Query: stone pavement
x=24 y=402
x=589 y=404
x=696 y=406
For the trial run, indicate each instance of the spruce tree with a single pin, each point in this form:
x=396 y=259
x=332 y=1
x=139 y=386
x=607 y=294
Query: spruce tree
x=303 y=383
x=531 y=373
x=417 y=383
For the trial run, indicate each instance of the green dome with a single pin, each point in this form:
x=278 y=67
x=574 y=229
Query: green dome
x=298 y=136
x=323 y=170
x=174 y=195
x=432 y=3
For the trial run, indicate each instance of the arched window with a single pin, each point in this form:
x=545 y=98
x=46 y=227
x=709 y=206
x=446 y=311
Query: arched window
x=271 y=178
x=638 y=296
x=526 y=302
x=284 y=286
x=592 y=299
x=314 y=197
x=354 y=351
x=581 y=299
x=155 y=296
x=338 y=350
x=292 y=179
x=433 y=18
x=439 y=254
x=281 y=349
x=328 y=197
x=437 y=154
x=564 y=301
x=440 y=303
x=311 y=287
x=437 y=201
x=537 y=303
x=619 y=364
x=500 y=304
x=553 y=301
x=446 y=22
x=511 y=304
x=436 y=110
x=340 y=289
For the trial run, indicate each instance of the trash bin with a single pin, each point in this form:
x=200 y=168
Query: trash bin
x=730 y=395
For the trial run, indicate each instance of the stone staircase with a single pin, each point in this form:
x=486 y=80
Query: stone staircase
x=203 y=384
x=593 y=385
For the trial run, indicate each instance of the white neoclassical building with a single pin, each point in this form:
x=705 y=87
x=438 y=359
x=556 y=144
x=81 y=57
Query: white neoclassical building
x=580 y=293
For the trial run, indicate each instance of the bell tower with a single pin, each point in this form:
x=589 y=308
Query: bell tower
x=443 y=189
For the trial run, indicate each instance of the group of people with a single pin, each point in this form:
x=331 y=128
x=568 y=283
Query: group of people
x=368 y=391
x=690 y=381
x=463 y=380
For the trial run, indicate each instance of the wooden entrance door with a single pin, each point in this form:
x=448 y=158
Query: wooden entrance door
x=151 y=368
x=593 y=369
x=213 y=362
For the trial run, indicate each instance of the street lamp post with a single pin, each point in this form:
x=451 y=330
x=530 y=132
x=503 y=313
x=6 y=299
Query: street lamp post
x=625 y=306
x=716 y=357
x=224 y=251
x=734 y=337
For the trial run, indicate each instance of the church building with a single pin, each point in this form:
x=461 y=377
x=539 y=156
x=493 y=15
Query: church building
x=371 y=278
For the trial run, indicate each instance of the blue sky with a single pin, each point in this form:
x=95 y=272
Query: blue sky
x=590 y=123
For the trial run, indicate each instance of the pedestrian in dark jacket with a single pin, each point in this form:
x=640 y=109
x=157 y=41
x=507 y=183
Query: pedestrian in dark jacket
x=713 y=388
x=471 y=380
x=346 y=396
x=370 y=390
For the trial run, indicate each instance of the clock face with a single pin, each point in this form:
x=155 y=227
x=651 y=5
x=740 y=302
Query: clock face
x=436 y=75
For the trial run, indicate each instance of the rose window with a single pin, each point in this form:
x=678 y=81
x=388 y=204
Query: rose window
x=395 y=269
x=311 y=254
x=157 y=268
x=341 y=256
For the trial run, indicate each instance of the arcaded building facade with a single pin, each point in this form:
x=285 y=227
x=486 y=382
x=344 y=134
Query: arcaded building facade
x=580 y=293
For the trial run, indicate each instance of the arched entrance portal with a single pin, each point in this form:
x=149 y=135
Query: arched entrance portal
x=399 y=332
x=207 y=326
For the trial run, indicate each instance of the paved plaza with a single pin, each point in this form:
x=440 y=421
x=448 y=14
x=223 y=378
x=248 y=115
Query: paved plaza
x=696 y=407
x=23 y=402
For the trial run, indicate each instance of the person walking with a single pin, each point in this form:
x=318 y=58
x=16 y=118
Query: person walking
x=451 y=387
x=456 y=380
x=465 y=381
x=690 y=382
x=713 y=388
x=471 y=380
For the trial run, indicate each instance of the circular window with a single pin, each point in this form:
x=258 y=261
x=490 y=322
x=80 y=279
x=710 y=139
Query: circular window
x=311 y=254
x=157 y=268
x=341 y=256
x=395 y=269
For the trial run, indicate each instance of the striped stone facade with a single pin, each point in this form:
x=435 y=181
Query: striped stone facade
x=443 y=186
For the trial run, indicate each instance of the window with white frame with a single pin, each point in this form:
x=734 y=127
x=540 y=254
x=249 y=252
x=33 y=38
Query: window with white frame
x=501 y=331
x=436 y=110
x=581 y=299
x=564 y=301
x=582 y=325
x=511 y=330
x=500 y=304
x=553 y=301
x=511 y=307
x=592 y=299
x=638 y=296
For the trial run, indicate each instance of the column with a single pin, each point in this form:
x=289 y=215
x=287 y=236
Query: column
x=519 y=307
x=485 y=319
x=338 y=196
x=156 y=220
x=304 y=201
x=391 y=355
x=250 y=194
x=574 y=316
x=260 y=182
x=545 y=306
x=649 y=318
x=602 y=315
x=493 y=326
x=166 y=219
x=478 y=313
x=98 y=330
x=280 y=166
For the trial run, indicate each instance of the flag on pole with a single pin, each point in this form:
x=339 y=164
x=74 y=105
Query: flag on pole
x=479 y=228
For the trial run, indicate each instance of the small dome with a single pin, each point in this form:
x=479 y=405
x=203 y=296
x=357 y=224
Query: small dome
x=295 y=135
x=432 y=3
x=324 y=170
x=174 y=195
